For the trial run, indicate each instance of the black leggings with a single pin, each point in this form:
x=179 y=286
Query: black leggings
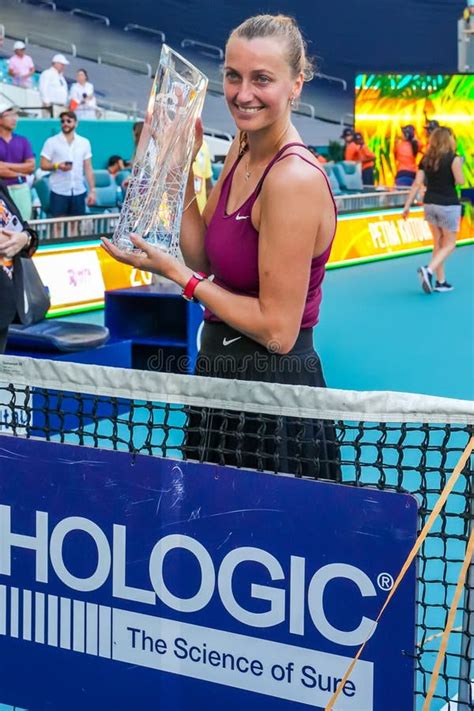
x=261 y=441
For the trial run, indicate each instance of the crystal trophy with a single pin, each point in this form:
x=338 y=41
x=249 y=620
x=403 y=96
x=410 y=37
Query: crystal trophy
x=153 y=205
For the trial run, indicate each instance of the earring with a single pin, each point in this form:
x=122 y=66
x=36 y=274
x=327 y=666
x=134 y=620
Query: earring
x=292 y=100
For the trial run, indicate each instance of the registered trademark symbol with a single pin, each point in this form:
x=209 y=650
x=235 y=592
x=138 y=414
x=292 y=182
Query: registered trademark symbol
x=385 y=581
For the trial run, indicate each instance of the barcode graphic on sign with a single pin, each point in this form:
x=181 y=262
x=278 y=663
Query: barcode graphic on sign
x=56 y=621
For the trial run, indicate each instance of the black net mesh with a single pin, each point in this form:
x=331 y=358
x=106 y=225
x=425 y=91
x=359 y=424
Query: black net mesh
x=408 y=456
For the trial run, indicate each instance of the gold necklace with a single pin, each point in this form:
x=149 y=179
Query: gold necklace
x=248 y=172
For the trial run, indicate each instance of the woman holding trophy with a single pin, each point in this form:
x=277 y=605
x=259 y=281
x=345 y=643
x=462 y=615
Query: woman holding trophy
x=256 y=257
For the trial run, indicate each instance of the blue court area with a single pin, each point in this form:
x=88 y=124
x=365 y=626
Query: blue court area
x=379 y=331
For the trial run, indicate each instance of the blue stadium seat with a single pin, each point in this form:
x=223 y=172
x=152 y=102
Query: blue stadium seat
x=54 y=335
x=216 y=171
x=333 y=181
x=43 y=192
x=349 y=175
x=107 y=196
x=119 y=178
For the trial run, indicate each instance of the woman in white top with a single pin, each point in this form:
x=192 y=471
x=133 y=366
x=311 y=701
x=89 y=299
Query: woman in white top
x=81 y=97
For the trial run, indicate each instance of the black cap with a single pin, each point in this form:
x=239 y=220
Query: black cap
x=347 y=132
x=431 y=125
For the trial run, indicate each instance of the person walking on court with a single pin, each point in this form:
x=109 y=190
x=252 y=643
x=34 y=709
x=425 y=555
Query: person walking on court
x=256 y=266
x=441 y=170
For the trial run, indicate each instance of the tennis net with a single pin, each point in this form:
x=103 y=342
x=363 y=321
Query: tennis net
x=394 y=441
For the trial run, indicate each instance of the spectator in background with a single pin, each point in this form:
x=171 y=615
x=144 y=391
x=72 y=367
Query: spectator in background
x=53 y=87
x=137 y=129
x=115 y=164
x=202 y=169
x=17 y=240
x=351 y=149
x=468 y=17
x=430 y=127
x=81 y=97
x=406 y=151
x=317 y=155
x=137 y=132
x=367 y=158
x=20 y=65
x=69 y=158
x=16 y=160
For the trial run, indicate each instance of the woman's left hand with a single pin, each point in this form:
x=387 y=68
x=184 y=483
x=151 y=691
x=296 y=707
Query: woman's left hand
x=150 y=259
x=12 y=243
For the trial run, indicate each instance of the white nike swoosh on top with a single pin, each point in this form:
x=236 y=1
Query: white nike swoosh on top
x=242 y=217
x=228 y=341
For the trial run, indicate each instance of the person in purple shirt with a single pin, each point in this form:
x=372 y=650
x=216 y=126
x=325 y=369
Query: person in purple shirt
x=16 y=160
x=265 y=236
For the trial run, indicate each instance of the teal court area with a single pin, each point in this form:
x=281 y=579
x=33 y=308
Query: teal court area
x=379 y=331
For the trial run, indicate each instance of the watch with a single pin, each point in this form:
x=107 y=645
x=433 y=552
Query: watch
x=188 y=291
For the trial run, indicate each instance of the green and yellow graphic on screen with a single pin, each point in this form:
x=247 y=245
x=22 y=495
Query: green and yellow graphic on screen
x=386 y=102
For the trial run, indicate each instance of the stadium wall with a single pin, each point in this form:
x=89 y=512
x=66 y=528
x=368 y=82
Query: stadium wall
x=107 y=137
x=348 y=37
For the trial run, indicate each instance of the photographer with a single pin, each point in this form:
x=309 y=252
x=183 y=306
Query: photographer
x=81 y=97
x=16 y=240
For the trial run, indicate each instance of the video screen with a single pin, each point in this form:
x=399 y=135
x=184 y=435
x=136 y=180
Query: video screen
x=386 y=102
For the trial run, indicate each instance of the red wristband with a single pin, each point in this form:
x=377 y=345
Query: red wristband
x=188 y=291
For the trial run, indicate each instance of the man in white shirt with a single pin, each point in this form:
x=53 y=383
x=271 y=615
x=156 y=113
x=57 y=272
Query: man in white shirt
x=53 y=86
x=68 y=156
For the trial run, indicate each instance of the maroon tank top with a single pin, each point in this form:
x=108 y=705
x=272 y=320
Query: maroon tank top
x=231 y=243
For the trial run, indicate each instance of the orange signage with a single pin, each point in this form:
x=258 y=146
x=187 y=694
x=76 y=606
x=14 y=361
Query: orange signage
x=373 y=235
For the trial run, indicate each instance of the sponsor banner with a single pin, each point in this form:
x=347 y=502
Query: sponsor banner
x=130 y=581
x=379 y=234
x=78 y=276
x=71 y=278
